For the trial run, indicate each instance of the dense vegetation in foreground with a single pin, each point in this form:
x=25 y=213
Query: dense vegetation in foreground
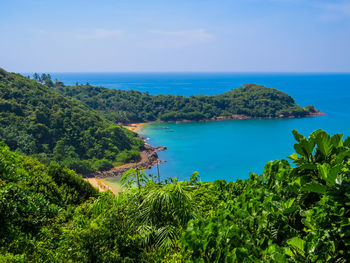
x=296 y=213
x=133 y=106
x=36 y=120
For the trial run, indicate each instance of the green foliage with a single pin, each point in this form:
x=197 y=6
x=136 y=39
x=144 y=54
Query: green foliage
x=103 y=165
x=296 y=213
x=133 y=106
x=31 y=198
x=132 y=177
x=36 y=120
x=128 y=156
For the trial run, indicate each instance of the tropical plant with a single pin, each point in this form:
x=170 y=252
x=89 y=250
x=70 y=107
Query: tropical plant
x=134 y=176
x=289 y=213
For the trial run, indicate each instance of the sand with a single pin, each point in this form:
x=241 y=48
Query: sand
x=135 y=127
x=102 y=186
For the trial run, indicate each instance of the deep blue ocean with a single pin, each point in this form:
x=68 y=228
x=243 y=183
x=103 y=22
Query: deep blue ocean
x=232 y=149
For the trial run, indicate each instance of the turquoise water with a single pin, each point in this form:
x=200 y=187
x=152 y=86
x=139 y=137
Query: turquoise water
x=231 y=149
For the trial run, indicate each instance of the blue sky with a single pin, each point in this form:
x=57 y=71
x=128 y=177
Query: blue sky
x=181 y=35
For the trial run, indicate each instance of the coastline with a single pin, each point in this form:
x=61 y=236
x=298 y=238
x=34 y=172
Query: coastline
x=246 y=117
x=136 y=127
x=149 y=156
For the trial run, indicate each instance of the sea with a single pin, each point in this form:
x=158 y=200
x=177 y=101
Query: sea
x=230 y=150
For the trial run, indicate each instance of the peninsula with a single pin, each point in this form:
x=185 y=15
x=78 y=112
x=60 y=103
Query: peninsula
x=81 y=127
x=249 y=101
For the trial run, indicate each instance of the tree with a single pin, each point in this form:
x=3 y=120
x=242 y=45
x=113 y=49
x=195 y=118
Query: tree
x=134 y=176
x=36 y=76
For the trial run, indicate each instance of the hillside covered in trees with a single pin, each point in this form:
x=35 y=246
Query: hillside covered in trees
x=36 y=120
x=75 y=125
x=133 y=106
x=290 y=213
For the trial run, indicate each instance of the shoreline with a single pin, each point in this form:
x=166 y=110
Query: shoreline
x=246 y=117
x=102 y=186
x=149 y=156
x=135 y=127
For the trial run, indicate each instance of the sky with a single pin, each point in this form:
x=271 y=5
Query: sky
x=175 y=36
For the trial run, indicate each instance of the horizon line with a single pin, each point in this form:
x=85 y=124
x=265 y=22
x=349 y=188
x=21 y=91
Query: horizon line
x=190 y=72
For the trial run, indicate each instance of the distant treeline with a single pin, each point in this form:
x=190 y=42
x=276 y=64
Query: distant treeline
x=133 y=106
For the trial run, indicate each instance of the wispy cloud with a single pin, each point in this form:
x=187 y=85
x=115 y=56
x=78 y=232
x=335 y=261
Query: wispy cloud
x=335 y=10
x=342 y=8
x=197 y=34
x=99 y=33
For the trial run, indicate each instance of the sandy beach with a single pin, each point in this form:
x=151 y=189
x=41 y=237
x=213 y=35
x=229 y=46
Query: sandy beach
x=100 y=181
x=135 y=127
x=148 y=159
x=102 y=186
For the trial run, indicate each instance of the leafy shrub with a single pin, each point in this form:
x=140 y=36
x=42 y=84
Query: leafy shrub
x=298 y=214
x=80 y=166
x=31 y=198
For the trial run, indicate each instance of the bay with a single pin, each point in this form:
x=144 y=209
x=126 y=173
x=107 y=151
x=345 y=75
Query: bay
x=230 y=150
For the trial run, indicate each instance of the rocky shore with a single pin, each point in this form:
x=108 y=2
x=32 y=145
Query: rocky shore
x=149 y=158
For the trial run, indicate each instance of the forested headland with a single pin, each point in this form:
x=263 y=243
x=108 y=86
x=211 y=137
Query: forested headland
x=249 y=101
x=289 y=213
x=76 y=125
